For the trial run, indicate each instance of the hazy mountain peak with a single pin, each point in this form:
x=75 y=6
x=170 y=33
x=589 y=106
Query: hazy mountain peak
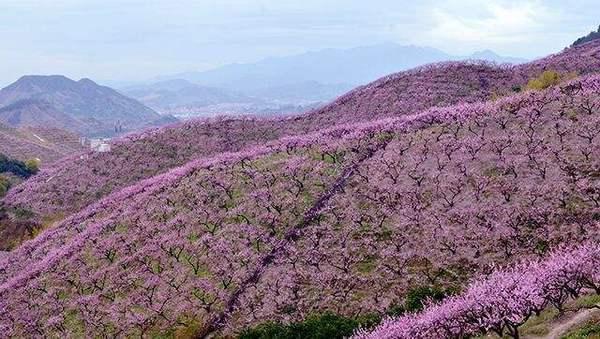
x=490 y=55
x=35 y=77
x=353 y=66
x=42 y=82
x=486 y=52
x=87 y=81
x=82 y=106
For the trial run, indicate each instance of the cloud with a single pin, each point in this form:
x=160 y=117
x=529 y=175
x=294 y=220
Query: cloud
x=141 y=38
x=493 y=22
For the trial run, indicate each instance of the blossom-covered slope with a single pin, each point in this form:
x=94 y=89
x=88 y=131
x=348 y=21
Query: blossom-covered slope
x=74 y=183
x=450 y=83
x=47 y=144
x=503 y=301
x=344 y=219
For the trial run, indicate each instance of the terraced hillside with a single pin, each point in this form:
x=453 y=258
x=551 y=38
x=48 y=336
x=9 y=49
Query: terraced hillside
x=73 y=184
x=345 y=219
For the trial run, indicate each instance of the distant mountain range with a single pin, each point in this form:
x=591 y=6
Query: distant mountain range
x=288 y=84
x=174 y=93
x=183 y=98
x=80 y=106
x=283 y=85
x=355 y=66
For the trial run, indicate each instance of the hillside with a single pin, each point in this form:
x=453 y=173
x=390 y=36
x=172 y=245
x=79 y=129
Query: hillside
x=46 y=144
x=82 y=106
x=449 y=83
x=318 y=221
x=72 y=184
x=37 y=113
x=75 y=183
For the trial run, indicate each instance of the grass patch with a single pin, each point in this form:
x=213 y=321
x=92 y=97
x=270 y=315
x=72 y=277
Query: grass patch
x=539 y=325
x=591 y=330
x=587 y=301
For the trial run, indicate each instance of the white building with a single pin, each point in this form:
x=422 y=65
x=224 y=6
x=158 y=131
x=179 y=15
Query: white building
x=100 y=145
x=103 y=148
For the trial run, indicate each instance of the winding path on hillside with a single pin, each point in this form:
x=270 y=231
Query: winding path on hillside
x=562 y=327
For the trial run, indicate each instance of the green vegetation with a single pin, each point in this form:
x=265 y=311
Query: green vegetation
x=330 y=325
x=18 y=168
x=587 y=301
x=324 y=326
x=33 y=165
x=590 y=331
x=548 y=79
x=4 y=185
x=417 y=297
x=539 y=325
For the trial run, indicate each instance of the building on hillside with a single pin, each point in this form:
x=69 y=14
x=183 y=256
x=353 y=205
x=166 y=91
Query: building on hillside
x=101 y=145
x=103 y=148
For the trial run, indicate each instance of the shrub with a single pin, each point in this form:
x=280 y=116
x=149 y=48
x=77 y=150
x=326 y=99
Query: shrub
x=33 y=165
x=13 y=166
x=548 y=79
x=323 y=326
x=4 y=185
x=591 y=330
x=416 y=298
x=545 y=80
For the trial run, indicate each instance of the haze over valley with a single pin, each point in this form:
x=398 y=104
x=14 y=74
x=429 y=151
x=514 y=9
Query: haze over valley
x=293 y=84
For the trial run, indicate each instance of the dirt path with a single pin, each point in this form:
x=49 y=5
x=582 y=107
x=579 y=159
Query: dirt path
x=562 y=327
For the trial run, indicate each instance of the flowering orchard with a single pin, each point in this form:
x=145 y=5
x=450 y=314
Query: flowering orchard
x=47 y=144
x=504 y=300
x=344 y=219
x=75 y=182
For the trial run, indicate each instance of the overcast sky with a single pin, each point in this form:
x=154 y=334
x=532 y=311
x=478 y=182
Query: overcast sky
x=139 y=39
